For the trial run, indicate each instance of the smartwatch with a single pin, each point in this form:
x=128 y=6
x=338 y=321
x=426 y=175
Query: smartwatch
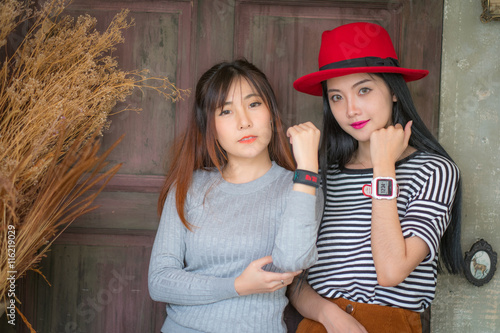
x=382 y=188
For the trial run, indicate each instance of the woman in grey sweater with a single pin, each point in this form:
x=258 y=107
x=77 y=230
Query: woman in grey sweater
x=237 y=224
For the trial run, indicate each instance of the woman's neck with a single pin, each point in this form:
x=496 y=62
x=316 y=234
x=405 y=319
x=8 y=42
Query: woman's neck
x=361 y=158
x=245 y=171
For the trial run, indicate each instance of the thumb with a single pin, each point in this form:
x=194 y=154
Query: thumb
x=408 y=131
x=290 y=133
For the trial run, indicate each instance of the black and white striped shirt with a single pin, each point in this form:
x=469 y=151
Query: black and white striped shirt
x=345 y=267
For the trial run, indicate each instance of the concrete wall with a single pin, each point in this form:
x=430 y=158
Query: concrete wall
x=469 y=129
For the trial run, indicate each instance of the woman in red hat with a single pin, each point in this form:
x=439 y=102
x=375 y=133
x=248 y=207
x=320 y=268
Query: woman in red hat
x=392 y=193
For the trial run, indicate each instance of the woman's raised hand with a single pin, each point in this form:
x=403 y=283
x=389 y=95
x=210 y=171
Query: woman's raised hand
x=305 y=142
x=255 y=280
x=388 y=144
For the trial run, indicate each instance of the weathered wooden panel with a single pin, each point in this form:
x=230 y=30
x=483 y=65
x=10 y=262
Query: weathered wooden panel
x=160 y=42
x=421 y=35
x=122 y=210
x=129 y=202
x=99 y=284
x=215 y=34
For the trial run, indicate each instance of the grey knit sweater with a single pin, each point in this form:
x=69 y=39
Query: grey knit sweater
x=194 y=272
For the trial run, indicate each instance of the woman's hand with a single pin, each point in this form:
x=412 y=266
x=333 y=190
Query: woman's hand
x=255 y=280
x=388 y=144
x=305 y=142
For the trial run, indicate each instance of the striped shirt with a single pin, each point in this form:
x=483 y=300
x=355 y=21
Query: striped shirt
x=345 y=267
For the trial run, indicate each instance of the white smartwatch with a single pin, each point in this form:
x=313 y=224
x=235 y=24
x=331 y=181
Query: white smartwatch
x=382 y=188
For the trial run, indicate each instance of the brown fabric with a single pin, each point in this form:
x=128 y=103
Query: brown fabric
x=375 y=318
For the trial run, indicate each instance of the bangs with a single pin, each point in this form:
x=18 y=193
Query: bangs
x=220 y=91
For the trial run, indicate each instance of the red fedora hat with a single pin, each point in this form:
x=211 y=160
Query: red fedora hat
x=360 y=47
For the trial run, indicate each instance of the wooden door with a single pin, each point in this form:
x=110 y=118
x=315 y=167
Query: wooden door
x=98 y=267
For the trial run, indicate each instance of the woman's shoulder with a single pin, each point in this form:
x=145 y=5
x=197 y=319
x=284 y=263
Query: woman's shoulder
x=427 y=160
x=204 y=173
x=280 y=171
x=278 y=177
x=204 y=178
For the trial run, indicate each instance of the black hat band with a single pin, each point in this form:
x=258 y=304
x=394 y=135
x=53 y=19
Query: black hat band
x=362 y=62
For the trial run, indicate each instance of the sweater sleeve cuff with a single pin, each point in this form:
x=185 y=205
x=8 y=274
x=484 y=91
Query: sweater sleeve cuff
x=225 y=287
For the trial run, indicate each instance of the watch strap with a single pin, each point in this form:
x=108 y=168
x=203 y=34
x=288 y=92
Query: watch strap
x=306 y=177
x=367 y=190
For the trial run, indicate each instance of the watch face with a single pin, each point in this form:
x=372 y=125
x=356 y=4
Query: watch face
x=384 y=187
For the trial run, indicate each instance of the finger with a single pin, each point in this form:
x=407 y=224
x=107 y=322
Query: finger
x=308 y=126
x=284 y=283
x=304 y=126
x=398 y=126
x=298 y=129
x=408 y=131
x=290 y=133
x=301 y=127
x=294 y=274
x=263 y=261
x=288 y=281
x=273 y=278
x=288 y=275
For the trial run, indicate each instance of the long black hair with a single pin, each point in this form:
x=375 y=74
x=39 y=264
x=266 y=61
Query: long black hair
x=337 y=148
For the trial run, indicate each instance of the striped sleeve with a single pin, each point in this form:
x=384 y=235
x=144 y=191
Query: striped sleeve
x=428 y=215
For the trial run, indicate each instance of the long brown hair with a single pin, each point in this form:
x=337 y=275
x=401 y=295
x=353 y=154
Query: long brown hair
x=197 y=147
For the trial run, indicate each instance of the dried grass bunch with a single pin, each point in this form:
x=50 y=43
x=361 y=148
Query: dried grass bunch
x=57 y=89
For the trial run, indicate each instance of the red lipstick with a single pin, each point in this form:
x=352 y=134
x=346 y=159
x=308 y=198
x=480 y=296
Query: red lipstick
x=247 y=139
x=359 y=124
